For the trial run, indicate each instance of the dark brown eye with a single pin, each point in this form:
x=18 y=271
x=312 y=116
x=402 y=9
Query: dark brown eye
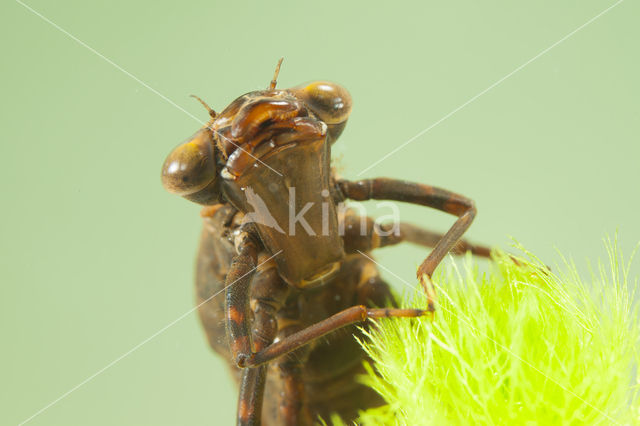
x=329 y=101
x=190 y=169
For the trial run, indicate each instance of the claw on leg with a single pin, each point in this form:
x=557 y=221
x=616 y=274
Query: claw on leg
x=429 y=290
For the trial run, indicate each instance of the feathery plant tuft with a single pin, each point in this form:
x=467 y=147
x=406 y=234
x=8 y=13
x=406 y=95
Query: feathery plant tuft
x=518 y=345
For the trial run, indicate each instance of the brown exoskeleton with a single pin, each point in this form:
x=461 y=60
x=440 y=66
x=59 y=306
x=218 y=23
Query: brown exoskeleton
x=291 y=279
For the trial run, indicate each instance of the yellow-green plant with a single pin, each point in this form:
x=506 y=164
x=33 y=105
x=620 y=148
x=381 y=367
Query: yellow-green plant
x=517 y=345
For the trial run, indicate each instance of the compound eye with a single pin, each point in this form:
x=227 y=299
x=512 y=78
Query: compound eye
x=329 y=101
x=190 y=169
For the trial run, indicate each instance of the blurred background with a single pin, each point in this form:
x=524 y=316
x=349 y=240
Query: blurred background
x=97 y=259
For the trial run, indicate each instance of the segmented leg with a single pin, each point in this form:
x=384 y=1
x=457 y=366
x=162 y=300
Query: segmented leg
x=264 y=296
x=420 y=236
x=364 y=234
x=352 y=315
x=424 y=195
x=251 y=396
x=237 y=310
x=237 y=286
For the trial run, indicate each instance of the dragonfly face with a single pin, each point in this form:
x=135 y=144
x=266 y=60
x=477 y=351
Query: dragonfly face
x=268 y=154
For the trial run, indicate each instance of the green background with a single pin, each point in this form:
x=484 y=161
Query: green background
x=96 y=258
